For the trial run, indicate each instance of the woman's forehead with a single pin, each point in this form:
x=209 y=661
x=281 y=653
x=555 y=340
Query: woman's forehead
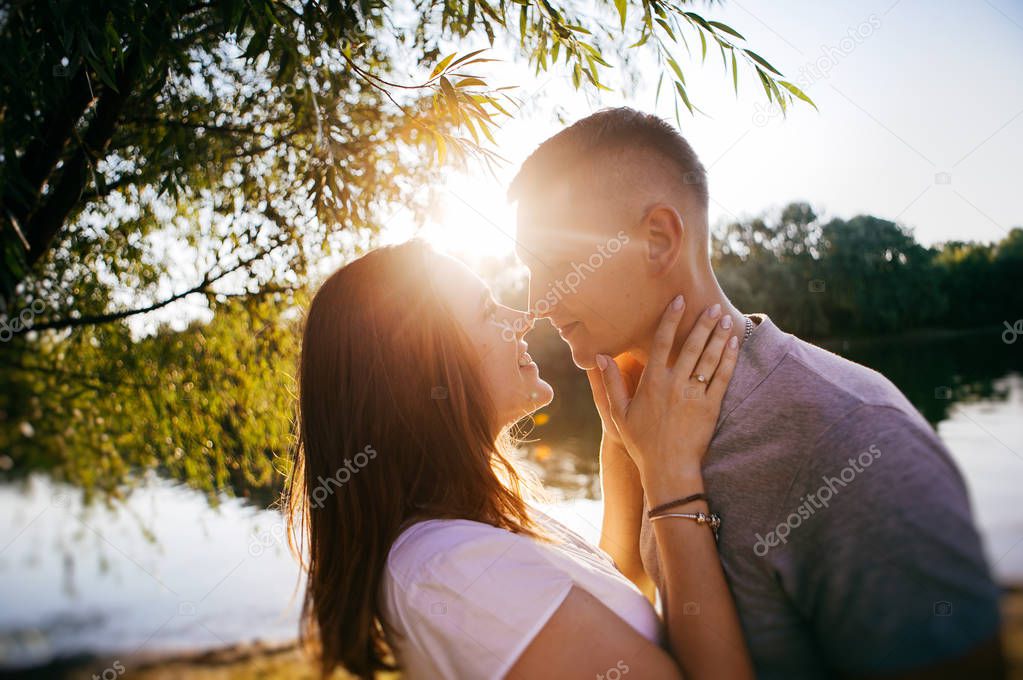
x=457 y=283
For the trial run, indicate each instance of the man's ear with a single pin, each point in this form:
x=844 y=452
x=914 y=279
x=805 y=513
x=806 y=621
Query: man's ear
x=664 y=235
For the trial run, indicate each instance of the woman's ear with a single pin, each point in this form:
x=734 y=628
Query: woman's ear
x=664 y=235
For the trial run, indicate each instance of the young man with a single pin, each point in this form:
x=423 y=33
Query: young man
x=847 y=536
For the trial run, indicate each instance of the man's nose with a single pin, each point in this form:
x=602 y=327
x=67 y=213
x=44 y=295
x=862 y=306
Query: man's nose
x=535 y=310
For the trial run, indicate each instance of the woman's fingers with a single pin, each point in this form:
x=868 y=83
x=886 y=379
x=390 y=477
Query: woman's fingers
x=719 y=383
x=664 y=337
x=692 y=348
x=599 y=393
x=711 y=356
x=614 y=386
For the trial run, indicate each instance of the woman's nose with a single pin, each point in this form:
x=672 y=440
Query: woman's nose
x=524 y=322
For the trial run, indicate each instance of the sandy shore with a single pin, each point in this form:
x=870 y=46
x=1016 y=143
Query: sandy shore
x=286 y=662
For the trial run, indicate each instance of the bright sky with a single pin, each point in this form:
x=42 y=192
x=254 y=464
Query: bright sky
x=921 y=121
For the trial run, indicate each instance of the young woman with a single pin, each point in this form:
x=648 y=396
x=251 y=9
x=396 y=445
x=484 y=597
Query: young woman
x=419 y=542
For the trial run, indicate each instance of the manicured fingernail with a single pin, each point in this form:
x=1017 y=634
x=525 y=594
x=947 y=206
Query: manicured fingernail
x=734 y=342
x=714 y=311
x=726 y=322
x=602 y=362
x=677 y=303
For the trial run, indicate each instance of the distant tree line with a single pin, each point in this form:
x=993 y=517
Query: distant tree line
x=865 y=275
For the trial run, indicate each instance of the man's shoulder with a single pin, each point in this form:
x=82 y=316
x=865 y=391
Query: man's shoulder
x=830 y=386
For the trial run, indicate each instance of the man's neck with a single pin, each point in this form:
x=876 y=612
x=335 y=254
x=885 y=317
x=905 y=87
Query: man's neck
x=696 y=306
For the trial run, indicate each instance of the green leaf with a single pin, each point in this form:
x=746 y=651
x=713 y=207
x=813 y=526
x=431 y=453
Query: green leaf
x=763 y=62
x=458 y=61
x=703 y=46
x=449 y=92
x=685 y=97
x=667 y=29
x=698 y=19
x=642 y=40
x=678 y=71
x=778 y=96
x=727 y=29
x=441 y=66
x=623 y=6
x=735 y=74
x=766 y=83
x=796 y=91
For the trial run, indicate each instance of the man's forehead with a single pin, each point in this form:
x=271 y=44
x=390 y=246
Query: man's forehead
x=561 y=227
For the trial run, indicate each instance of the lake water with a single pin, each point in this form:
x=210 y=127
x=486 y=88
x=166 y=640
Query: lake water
x=165 y=571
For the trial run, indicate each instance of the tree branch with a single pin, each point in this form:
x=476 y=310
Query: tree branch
x=202 y=287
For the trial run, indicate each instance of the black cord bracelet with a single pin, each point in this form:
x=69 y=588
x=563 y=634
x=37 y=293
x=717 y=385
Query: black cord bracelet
x=674 y=504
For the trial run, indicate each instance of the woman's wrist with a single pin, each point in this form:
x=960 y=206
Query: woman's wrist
x=670 y=483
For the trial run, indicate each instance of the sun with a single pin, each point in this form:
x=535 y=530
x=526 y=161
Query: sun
x=475 y=218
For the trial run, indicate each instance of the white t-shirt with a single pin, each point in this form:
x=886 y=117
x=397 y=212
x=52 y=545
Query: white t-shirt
x=465 y=598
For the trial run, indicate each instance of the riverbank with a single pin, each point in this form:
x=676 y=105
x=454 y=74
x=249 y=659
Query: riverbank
x=287 y=662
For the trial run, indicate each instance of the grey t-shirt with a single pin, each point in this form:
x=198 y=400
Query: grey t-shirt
x=847 y=537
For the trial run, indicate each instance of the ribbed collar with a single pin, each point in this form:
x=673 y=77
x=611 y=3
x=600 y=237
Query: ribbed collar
x=758 y=356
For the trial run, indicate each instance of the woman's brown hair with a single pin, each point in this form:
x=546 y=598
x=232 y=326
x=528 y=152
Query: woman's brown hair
x=394 y=422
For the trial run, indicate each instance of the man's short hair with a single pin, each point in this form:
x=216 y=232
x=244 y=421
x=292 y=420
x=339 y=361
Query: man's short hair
x=605 y=135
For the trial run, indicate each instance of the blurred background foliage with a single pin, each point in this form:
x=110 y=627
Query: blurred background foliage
x=865 y=275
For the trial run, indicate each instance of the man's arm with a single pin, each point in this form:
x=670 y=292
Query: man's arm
x=888 y=566
x=984 y=661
